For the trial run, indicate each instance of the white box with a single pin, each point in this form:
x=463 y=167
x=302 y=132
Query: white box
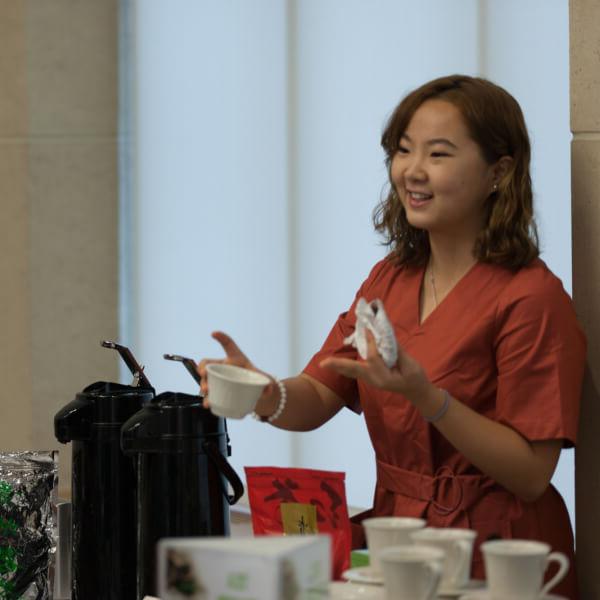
x=259 y=568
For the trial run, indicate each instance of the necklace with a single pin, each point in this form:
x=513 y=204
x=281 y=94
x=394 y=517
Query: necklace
x=432 y=281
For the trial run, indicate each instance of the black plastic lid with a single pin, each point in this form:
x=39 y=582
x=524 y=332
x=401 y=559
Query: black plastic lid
x=172 y=422
x=103 y=404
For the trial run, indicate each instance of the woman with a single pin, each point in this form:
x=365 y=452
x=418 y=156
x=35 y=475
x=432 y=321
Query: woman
x=468 y=426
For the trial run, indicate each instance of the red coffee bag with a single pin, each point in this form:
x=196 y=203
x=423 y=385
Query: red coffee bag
x=301 y=501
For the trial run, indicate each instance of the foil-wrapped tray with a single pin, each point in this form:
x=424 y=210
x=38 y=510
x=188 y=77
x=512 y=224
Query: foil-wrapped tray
x=28 y=484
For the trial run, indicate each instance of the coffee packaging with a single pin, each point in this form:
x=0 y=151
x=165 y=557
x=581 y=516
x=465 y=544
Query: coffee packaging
x=261 y=568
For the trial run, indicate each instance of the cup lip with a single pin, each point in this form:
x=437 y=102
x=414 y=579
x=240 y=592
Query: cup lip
x=449 y=534
x=220 y=370
x=411 y=553
x=515 y=547
x=395 y=522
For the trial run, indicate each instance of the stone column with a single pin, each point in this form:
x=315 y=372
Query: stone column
x=585 y=125
x=59 y=199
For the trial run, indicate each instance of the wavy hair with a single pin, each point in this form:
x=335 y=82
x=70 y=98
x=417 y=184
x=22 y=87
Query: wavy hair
x=495 y=122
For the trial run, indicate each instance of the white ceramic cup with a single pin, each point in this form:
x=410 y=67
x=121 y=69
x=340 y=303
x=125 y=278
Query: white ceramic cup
x=515 y=568
x=457 y=545
x=233 y=391
x=383 y=532
x=411 y=572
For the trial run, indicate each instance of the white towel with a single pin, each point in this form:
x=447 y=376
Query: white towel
x=371 y=315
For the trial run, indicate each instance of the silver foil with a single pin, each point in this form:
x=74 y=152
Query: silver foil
x=28 y=484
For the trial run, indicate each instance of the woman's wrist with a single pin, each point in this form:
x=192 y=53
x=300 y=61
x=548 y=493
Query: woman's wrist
x=270 y=405
x=434 y=403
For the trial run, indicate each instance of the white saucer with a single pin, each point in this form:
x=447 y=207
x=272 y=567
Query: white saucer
x=363 y=575
x=471 y=585
x=354 y=591
x=485 y=595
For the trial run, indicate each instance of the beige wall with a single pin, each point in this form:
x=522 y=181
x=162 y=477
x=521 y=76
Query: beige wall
x=585 y=124
x=59 y=199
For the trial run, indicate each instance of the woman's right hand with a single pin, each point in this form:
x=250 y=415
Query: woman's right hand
x=234 y=356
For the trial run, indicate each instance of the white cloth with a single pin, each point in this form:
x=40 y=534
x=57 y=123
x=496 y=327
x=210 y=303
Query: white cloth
x=371 y=315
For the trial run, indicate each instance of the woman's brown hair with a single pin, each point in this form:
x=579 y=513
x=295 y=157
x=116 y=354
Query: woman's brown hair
x=495 y=121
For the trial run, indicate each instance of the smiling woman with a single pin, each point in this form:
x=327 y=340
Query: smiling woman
x=468 y=424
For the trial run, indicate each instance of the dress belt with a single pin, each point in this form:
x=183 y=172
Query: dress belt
x=445 y=491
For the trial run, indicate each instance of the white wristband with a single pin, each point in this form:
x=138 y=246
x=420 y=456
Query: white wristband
x=280 y=406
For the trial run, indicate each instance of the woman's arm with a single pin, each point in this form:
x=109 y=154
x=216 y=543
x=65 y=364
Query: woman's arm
x=309 y=402
x=523 y=467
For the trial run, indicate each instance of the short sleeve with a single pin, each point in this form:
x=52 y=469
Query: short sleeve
x=540 y=356
x=334 y=345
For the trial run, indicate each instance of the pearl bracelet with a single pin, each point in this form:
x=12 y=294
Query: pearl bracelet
x=440 y=413
x=280 y=406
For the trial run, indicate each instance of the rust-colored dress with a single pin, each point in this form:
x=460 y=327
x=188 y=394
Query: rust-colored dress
x=505 y=343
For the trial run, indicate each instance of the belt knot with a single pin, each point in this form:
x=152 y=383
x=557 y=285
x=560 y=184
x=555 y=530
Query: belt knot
x=446 y=484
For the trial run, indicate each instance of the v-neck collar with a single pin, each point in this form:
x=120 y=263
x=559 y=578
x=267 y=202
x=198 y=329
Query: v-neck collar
x=448 y=297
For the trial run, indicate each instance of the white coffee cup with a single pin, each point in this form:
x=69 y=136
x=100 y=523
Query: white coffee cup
x=457 y=545
x=411 y=572
x=233 y=391
x=383 y=532
x=515 y=568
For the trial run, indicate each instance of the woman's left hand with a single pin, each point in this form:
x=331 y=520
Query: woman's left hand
x=407 y=377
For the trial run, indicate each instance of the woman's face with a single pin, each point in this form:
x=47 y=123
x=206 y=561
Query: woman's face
x=440 y=174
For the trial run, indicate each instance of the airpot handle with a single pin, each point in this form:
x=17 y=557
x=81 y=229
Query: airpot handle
x=227 y=470
x=188 y=363
x=137 y=370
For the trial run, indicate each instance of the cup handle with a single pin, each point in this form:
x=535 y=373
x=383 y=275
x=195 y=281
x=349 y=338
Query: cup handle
x=464 y=549
x=563 y=567
x=435 y=574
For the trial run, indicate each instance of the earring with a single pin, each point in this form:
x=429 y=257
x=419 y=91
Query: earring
x=495 y=188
